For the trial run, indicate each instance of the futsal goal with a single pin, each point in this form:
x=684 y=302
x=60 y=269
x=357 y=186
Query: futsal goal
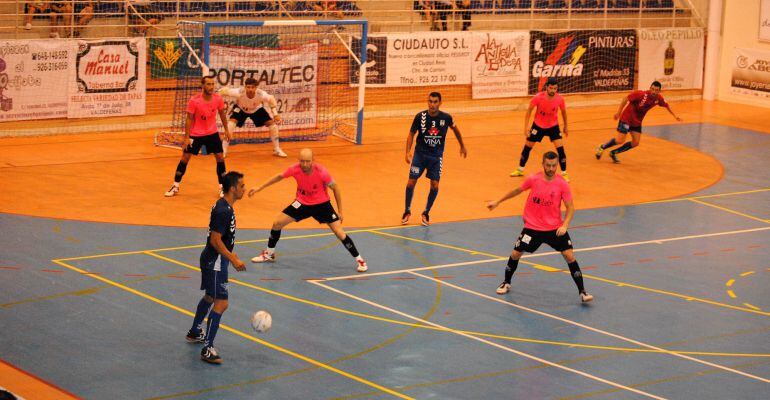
x=307 y=65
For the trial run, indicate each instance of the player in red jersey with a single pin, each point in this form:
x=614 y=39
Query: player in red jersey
x=632 y=110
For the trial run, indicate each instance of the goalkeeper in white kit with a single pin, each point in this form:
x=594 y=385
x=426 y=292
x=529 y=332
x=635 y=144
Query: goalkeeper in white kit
x=256 y=104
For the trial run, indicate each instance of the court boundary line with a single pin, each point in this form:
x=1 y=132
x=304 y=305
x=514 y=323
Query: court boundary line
x=487 y=342
x=393 y=227
x=593 y=329
x=246 y=336
x=742 y=214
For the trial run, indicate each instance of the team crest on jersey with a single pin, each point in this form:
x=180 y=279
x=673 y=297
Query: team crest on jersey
x=442 y=122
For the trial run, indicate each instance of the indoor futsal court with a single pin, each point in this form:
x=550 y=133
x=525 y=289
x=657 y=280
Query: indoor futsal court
x=100 y=273
x=102 y=264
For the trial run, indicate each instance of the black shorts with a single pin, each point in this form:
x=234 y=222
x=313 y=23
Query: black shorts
x=625 y=127
x=529 y=240
x=537 y=133
x=212 y=142
x=259 y=117
x=323 y=213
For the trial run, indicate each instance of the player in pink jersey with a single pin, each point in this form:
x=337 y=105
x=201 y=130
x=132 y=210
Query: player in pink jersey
x=543 y=222
x=632 y=110
x=312 y=200
x=200 y=129
x=546 y=124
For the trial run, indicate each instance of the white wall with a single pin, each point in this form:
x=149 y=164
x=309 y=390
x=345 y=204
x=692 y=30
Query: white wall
x=740 y=28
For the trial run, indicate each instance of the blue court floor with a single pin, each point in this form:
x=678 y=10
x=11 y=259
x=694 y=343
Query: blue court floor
x=681 y=309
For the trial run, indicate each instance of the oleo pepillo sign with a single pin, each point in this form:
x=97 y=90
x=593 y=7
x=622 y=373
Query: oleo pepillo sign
x=107 y=67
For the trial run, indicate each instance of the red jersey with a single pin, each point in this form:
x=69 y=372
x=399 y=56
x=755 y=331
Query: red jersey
x=639 y=102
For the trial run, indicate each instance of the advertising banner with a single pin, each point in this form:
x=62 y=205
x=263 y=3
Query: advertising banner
x=31 y=83
x=500 y=64
x=764 y=21
x=289 y=74
x=108 y=78
x=583 y=61
x=751 y=73
x=674 y=57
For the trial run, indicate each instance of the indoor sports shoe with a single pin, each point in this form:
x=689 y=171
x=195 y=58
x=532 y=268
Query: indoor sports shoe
x=264 y=256
x=172 y=192
x=425 y=219
x=361 y=267
x=517 y=172
x=585 y=297
x=565 y=176
x=405 y=217
x=503 y=288
x=599 y=152
x=211 y=355
x=279 y=153
x=614 y=157
x=193 y=337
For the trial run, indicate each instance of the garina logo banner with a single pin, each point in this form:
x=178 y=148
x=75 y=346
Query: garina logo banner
x=583 y=61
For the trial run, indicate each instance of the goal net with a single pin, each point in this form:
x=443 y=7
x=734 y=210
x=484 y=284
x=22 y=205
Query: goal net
x=304 y=64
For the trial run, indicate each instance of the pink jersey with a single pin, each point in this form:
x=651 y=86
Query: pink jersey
x=311 y=189
x=546 y=108
x=204 y=114
x=543 y=209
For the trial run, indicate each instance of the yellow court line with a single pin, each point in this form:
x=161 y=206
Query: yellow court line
x=730 y=282
x=751 y=306
x=706 y=196
x=730 y=211
x=618 y=283
x=747 y=273
x=449 y=330
x=243 y=335
x=198 y=246
x=731 y=293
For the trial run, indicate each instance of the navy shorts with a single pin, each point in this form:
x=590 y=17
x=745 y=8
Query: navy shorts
x=259 y=117
x=212 y=142
x=422 y=162
x=624 y=127
x=536 y=133
x=214 y=283
x=529 y=240
x=323 y=213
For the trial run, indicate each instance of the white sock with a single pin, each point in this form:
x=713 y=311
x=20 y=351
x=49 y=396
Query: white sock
x=176 y=184
x=274 y=136
x=231 y=126
x=359 y=258
x=270 y=251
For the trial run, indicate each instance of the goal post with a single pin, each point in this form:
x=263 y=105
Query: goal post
x=307 y=65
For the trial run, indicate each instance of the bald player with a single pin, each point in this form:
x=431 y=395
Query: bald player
x=312 y=200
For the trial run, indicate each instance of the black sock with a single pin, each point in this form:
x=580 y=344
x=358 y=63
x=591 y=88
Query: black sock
x=510 y=269
x=609 y=144
x=562 y=158
x=180 y=170
x=348 y=242
x=221 y=171
x=524 y=156
x=577 y=276
x=273 y=239
x=625 y=147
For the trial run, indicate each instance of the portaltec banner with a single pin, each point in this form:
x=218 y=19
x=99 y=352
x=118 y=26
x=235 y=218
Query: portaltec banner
x=428 y=59
x=108 y=78
x=500 y=62
x=288 y=74
x=31 y=79
x=674 y=57
x=751 y=73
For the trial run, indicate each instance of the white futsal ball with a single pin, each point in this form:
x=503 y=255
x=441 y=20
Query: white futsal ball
x=261 y=321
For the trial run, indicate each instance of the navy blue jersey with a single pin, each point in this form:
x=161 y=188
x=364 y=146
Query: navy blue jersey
x=222 y=221
x=431 y=132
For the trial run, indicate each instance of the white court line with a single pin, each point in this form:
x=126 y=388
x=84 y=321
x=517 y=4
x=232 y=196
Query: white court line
x=487 y=342
x=548 y=253
x=597 y=330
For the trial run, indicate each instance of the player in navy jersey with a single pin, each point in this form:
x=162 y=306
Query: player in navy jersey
x=632 y=110
x=214 y=260
x=431 y=127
